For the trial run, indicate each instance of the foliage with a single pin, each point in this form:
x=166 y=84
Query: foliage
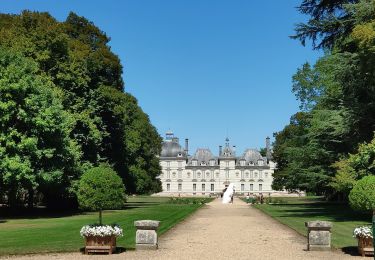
x=100 y=188
x=363 y=231
x=101 y=230
x=362 y=196
x=36 y=150
x=316 y=153
x=353 y=168
x=189 y=200
x=100 y=122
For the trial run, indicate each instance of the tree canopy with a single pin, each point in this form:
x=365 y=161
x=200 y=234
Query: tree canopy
x=67 y=72
x=337 y=97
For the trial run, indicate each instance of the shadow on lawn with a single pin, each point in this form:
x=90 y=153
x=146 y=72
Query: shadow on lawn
x=20 y=213
x=335 y=212
x=350 y=250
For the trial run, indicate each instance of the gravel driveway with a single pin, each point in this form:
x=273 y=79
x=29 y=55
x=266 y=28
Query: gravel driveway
x=217 y=231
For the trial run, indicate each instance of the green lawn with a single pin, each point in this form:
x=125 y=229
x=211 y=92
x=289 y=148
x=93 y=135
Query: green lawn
x=39 y=234
x=294 y=212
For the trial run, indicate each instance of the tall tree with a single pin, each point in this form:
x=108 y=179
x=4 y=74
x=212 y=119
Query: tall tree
x=36 y=150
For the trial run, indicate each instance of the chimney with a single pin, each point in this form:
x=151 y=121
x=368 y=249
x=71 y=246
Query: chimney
x=268 y=148
x=186 y=146
x=220 y=150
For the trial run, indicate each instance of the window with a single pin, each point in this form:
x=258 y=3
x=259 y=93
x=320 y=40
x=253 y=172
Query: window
x=188 y=174
x=217 y=175
x=242 y=187
x=179 y=186
x=203 y=187
x=194 y=187
x=212 y=162
x=194 y=162
x=207 y=175
x=203 y=163
x=199 y=174
x=251 y=187
x=247 y=174
x=260 y=162
x=174 y=175
x=237 y=174
x=260 y=187
x=179 y=155
x=227 y=164
x=251 y=163
x=242 y=162
x=168 y=187
x=212 y=187
x=255 y=174
x=251 y=175
x=260 y=175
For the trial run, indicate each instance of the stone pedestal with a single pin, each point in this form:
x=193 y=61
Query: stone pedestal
x=318 y=235
x=146 y=236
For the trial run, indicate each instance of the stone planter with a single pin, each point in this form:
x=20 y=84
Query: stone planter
x=98 y=244
x=318 y=235
x=146 y=236
x=365 y=246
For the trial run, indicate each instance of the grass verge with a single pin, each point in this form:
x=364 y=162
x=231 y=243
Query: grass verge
x=44 y=234
x=294 y=212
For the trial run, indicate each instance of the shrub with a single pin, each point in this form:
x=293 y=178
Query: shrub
x=101 y=188
x=189 y=200
x=362 y=196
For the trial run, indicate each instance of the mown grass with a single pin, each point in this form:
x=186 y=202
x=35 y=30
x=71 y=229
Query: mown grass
x=43 y=233
x=294 y=212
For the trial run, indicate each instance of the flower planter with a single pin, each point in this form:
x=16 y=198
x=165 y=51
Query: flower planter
x=100 y=244
x=365 y=246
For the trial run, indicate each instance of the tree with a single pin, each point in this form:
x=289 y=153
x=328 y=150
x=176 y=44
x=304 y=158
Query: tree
x=106 y=124
x=100 y=188
x=330 y=22
x=36 y=148
x=362 y=196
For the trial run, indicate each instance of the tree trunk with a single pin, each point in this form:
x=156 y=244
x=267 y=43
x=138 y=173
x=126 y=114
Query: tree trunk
x=30 y=201
x=100 y=217
x=12 y=197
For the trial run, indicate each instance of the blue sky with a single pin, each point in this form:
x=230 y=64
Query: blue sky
x=203 y=68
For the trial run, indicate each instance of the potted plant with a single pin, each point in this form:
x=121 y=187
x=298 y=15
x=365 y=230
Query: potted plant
x=100 y=238
x=362 y=198
x=365 y=239
x=99 y=189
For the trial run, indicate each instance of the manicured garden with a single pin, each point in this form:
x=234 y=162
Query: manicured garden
x=46 y=232
x=294 y=212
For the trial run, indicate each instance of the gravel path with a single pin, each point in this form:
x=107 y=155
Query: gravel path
x=217 y=231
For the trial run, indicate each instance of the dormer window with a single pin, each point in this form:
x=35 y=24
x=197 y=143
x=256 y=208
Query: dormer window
x=179 y=155
x=203 y=163
x=212 y=162
x=251 y=163
x=260 y=162
x=242 y=162
x=194 y=162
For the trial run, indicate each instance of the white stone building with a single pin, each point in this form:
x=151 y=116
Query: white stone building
x=206 y=174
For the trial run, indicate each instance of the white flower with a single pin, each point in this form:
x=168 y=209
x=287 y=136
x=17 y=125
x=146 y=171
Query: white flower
x=104 y=230
x=364 y=231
